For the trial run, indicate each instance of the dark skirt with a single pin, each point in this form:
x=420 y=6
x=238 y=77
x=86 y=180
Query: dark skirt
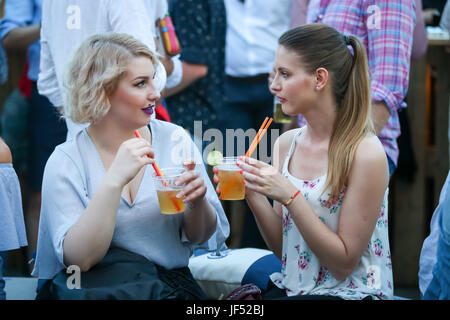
x=123 y=275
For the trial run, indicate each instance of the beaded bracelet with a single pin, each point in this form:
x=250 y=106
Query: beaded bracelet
x=291 y=199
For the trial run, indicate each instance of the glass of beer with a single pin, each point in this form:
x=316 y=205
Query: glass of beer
x=278 y=115
x=167 y=190
x=231 y=181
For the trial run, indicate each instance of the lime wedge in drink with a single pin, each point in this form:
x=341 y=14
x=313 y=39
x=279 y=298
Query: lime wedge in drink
x=214 y=158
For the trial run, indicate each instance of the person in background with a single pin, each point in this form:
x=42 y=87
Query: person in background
x=110 y=200
x=439 y=287
x=429 y=252
x=19 y=30
x=12 y=226
x=386 y=30
x=66 y=23
x=201 y=30
x=329 y=179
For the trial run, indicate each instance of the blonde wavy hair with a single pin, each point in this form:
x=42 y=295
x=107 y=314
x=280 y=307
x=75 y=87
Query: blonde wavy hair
x=321 y=46
x=95 y=71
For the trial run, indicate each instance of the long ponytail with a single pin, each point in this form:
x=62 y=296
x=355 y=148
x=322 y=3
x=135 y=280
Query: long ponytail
x=353 y=121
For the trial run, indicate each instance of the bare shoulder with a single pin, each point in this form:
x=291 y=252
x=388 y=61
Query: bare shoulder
x=370 y=148
x=281 y=147
x=370 y=159
x=285 y=140
x=5 y=153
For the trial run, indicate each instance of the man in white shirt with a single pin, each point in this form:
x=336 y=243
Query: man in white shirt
x=66 y=23
x=253 y=29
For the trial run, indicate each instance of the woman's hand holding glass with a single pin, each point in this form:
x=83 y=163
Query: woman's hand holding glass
x=265 y=179
x=194 y=189
x=218 y=189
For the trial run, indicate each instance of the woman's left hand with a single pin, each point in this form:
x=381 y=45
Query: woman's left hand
x=195 y=188
x=265 y=179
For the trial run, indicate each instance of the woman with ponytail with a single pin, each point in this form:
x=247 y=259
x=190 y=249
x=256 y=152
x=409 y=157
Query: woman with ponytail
x=329 y=179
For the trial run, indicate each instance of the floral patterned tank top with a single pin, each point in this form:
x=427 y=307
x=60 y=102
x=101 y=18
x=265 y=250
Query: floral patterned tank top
x=301 y=272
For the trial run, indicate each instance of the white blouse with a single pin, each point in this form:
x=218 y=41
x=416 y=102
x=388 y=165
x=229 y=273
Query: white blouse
x=73 y=174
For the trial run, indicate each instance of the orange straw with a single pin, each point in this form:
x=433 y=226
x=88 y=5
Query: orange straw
x=155 y=166
x=262 y=130
x=159 y=173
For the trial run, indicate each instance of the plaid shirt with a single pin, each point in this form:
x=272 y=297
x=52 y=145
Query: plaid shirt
x=386 y=29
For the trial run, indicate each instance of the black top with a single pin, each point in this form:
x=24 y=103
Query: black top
x=201 y=29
